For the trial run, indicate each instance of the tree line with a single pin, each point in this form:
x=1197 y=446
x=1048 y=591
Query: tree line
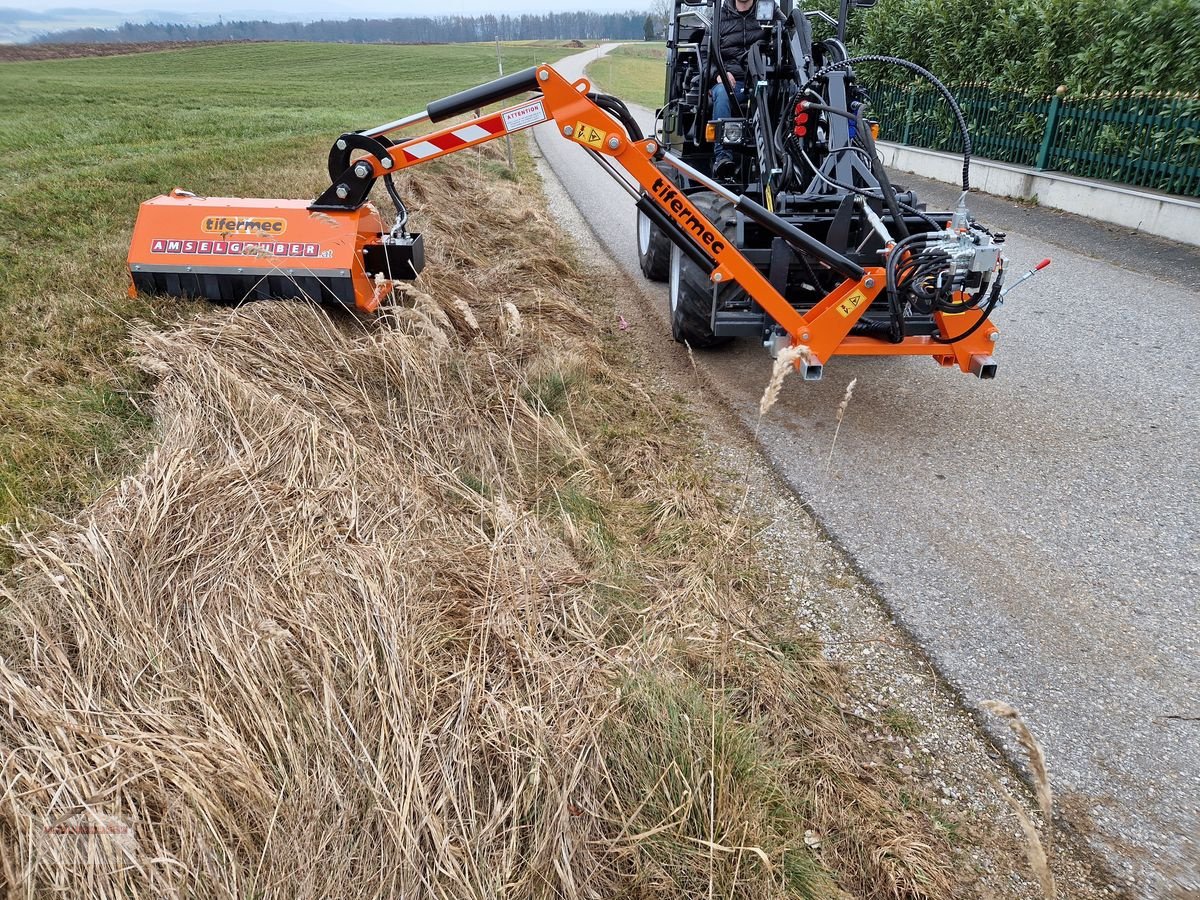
x=1034 y=45
x=425 y=30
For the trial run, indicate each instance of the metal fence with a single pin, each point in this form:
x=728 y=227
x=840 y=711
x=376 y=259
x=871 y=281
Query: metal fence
x=1146 y=140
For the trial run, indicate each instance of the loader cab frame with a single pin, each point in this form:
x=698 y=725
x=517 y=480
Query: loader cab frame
x=809 y=170
x=789 y=48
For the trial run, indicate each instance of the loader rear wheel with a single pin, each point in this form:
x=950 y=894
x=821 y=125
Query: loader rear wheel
x=692 y=293
x=654 y=249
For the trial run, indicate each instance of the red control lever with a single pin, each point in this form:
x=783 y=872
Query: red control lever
x=1025 y=277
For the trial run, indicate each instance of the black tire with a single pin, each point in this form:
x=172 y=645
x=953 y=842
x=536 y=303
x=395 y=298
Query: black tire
x=654 y=249
x=691 y=292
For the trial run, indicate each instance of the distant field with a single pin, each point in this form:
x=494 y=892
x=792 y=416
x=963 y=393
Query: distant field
x=84 y=141
x=634 y=72
x=27 y=52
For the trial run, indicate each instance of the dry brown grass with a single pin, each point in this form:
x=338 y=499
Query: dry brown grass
x=435 y=607
x=785 y=362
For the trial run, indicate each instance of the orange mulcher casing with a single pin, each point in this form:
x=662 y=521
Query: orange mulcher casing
x=234 y=249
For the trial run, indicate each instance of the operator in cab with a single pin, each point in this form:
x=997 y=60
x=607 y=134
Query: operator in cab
x=740 y=31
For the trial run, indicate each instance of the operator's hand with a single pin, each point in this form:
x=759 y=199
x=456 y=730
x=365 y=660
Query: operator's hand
x=732 y=81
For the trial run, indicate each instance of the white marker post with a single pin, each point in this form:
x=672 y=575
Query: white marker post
x=507 y=137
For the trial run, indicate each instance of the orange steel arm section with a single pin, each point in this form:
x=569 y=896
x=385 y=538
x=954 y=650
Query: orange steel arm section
x=823 y=330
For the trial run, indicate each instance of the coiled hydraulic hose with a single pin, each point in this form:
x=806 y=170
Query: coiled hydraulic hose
x=961 y=121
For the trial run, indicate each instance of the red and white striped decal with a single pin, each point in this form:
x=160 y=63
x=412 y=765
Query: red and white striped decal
x=472 y=133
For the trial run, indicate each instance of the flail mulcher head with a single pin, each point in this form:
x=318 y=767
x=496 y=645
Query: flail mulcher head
x=334 y=249
x=230 y=250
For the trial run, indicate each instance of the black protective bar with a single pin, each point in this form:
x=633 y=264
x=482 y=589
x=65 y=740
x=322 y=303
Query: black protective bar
x=676 y=235
x=800 y=39
x=798 y=239
x=714 y=56
x=483 y=95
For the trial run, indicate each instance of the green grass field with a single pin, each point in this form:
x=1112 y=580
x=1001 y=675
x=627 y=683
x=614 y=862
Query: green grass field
x=634 y=72
x=83 y=142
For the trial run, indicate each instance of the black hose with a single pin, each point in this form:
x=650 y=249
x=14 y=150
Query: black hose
x=781 y=154
x=881 y=175
x=928 y=264
x=401 y=209
x=920 y=214
x=616 y=108
x=992 y=301
x=715 y=53
x=959 y=118
x=845 y=113
x=896 y=312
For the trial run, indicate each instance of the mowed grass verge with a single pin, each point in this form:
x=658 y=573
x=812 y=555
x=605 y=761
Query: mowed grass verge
x=83 y=142
x=634 y=72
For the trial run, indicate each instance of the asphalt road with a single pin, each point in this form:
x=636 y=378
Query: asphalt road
x=1036 y=534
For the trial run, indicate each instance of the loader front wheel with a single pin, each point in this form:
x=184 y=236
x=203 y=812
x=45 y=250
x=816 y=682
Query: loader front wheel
x=691 y=292
x=654 y=249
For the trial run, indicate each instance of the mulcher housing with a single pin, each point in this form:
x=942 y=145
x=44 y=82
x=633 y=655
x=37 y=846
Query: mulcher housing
x=230 y=250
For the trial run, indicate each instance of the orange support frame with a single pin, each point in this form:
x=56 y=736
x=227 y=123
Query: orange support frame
x=824 y=330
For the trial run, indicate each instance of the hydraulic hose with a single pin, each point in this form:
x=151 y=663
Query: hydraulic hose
x=401 y=222
x=992 y=302
x=616 y=108
x=715 y=54
x=959 y=119
x=925 y=264
x=881 y=175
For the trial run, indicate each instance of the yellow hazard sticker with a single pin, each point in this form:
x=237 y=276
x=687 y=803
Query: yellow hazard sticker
x=586 y=134
x=851 y=303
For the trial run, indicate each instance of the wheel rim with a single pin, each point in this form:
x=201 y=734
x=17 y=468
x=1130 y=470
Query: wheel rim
x=673 y=290
x=643 y=233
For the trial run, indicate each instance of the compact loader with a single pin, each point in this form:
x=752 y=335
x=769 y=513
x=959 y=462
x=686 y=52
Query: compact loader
x=808 y=244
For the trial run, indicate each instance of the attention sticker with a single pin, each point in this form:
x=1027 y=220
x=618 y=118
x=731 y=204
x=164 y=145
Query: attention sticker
x=851 y=303
x=523 y=116
x=586 y=134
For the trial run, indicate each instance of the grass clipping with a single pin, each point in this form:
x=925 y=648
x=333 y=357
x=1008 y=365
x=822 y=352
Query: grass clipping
x=431 y=607
x=1037 y=846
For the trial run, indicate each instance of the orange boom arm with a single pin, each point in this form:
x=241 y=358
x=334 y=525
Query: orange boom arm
x=334 y=248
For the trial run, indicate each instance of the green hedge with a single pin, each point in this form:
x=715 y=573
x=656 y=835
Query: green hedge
x=1036 y=45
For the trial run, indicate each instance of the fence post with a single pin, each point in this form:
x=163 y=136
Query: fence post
x=908 y=115
x=1043 y=158
x=507 y=137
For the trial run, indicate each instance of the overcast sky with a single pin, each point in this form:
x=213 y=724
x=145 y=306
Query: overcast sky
x=316 y=10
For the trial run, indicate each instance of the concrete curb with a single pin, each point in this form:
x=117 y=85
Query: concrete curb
x=1174 y=218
